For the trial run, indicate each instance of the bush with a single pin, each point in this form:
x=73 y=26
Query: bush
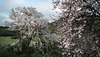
x=7 y=52
x=8 y=32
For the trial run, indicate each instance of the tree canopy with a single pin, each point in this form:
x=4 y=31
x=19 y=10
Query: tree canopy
x=80 y=21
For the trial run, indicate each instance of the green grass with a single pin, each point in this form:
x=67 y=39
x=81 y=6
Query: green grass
x=7 y=40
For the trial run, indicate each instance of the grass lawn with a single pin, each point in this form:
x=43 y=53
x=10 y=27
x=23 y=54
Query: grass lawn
x=6 y=40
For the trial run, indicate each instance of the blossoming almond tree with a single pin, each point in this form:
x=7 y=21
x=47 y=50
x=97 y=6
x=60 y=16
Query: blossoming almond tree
x=31 y=25
x=80 y=20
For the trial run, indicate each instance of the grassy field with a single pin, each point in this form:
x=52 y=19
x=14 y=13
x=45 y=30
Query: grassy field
x=6 y=40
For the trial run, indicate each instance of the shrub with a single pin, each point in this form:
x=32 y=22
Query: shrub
x=5 y=32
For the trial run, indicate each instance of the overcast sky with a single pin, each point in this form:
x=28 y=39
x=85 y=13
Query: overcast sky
x=43 y=6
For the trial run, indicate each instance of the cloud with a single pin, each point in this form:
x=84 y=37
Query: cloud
x=2 y=18
x=15 y=3
x=46 y=8
x=5 y=16
x=6 y=5
x=43 y=6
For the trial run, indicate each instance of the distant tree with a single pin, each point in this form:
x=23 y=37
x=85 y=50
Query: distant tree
x=3 y=27
x=80 y=21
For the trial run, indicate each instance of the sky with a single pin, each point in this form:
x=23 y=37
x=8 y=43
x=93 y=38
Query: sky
x=43 y=6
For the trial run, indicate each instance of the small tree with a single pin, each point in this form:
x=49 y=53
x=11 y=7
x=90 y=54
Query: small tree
x=80 y=21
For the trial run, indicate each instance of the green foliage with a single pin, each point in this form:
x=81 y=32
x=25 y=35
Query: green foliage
x=4 y=27
x=7 y=32
x=53 y=27
x=6 y=52
x=4 y=31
